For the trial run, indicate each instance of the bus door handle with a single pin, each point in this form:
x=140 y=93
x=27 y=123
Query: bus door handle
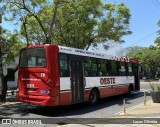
x=84 y=79
x=72 y=83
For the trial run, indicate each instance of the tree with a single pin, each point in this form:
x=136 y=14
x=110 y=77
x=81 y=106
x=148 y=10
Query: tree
x=74 y=23
x=89 y=22
x=9 y=50
x=132 y=52
x=157 y=41
x=19 y=9
x=79 y=23
x=148 y=58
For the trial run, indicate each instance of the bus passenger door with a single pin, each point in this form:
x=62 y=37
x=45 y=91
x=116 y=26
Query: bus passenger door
x=77 y=83
x=136 y=77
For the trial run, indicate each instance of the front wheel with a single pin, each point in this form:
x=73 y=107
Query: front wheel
x=93 y=97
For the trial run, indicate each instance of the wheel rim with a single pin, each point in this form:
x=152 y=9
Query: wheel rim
x=93 y=97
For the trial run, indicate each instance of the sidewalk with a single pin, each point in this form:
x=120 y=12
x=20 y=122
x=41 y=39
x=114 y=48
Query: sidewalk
x=148 y=114
x=151 y=110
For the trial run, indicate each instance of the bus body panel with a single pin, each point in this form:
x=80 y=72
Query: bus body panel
x=38 y=100
x=65 y=91
x=35 y=88
x=40 y=85
x=106 y=90
x=44 y=85
x=53 y=67
x=65 y=98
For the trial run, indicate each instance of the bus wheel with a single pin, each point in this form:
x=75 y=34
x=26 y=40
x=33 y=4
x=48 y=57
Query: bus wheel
x=129 y=89
x=93 y=97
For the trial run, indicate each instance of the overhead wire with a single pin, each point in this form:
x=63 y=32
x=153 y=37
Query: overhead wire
x=142 y=39
x=157 y=4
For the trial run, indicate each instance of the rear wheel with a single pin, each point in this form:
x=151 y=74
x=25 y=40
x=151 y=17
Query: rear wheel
x=93 y=97
x=130 y=89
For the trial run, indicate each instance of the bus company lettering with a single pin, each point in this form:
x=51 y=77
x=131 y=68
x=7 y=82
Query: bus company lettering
x=107 y=81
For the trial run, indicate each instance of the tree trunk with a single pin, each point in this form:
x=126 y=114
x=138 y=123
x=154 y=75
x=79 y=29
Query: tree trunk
x=153 y=73
x=4 y=88
x=88 y=45
x=51 y=29
x=25 y=29
x=4 y=80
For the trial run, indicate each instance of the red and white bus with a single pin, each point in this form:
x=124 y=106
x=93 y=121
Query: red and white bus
x=51 y=75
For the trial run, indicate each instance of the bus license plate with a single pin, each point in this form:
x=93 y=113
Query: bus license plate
x=43 y=91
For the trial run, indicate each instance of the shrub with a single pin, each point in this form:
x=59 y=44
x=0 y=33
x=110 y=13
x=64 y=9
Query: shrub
x=155 y=87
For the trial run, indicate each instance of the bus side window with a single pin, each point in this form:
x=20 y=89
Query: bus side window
x=109 y=67
x=122 y=68
x=86 y=66
x=130 y=70
x=63 y=65
x=102 y=68
x=90 y=67
x=114 y=68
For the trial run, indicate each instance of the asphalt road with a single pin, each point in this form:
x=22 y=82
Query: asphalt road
x=107 y=107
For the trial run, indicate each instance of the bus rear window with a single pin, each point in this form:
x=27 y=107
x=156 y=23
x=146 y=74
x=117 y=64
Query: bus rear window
x=34 y=57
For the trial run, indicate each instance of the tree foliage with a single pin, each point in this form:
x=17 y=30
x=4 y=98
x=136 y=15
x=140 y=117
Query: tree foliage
x=10 y=46
x=79 y=23
x=132 y=52
x=148 y=57
x=90 y=22
x=19 y=10
x=9 y=50
x=157 y=41
x=74 y=23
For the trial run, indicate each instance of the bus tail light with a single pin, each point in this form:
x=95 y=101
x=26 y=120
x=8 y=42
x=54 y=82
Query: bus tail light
x=48 y=90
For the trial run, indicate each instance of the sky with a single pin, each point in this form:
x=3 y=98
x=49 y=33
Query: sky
x=143 y=23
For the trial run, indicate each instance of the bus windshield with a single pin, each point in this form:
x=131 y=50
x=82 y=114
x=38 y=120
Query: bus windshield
x=34 y=57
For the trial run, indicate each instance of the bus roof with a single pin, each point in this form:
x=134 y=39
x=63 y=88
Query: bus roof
x=81 y=52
